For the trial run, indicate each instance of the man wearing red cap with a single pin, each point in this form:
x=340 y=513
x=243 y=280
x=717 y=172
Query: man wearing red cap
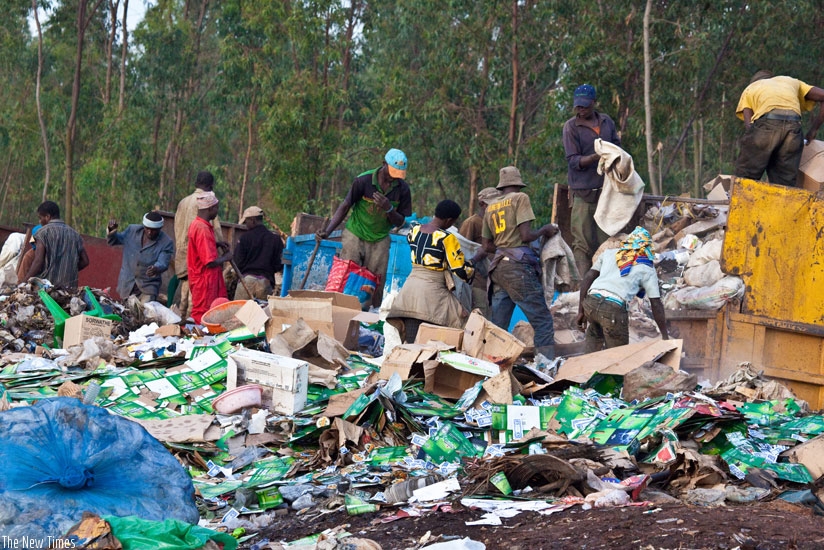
x=380 y=199
x=585 y=184
x=202 y=260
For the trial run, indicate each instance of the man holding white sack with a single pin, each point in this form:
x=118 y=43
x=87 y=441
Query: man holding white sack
x=585 y=183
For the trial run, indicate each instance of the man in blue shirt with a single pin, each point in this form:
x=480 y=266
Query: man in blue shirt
x=147 y=252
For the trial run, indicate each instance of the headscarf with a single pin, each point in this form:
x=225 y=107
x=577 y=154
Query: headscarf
x=206 y=200
x=635 y=249
x=149 y=223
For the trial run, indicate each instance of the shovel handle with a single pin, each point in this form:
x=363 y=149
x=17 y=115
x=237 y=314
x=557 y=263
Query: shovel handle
x=312 y=258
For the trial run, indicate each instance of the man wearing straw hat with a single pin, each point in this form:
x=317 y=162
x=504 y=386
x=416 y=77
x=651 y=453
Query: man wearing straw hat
x=147 y=253
x=515 y=269
x=202 y=261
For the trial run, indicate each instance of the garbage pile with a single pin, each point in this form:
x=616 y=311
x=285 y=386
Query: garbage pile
x=688 y=243
x=279 y=414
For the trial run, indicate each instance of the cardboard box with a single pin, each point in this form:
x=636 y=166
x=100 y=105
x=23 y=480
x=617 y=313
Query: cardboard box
x=335 y=314
x=484 y=340
x=82 y=327
x=436 y=333
x=447 y=381
x=719 y=187
x=284 y=380
x=811 y=168
x=407 y=361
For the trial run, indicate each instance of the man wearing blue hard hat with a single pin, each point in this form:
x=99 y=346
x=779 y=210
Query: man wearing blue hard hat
x=585 y=184
x=379 y=199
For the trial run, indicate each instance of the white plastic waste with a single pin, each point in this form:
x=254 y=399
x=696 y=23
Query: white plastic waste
x=465 y=543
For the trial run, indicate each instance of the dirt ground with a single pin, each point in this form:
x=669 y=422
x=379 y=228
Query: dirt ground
x=761 y=526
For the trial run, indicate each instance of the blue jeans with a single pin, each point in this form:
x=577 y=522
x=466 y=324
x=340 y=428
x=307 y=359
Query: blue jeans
x=518 y=284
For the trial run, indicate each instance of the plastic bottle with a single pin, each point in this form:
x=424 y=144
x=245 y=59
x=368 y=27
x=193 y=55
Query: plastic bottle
x=92 y=390
x=401 y=492
x=249 y=455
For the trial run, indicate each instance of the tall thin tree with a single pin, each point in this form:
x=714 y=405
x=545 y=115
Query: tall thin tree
x=71 y=127
x=656 y=189
x=44 y=135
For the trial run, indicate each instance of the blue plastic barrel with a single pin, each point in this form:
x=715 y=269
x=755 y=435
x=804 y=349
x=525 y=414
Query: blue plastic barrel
x=299 y=250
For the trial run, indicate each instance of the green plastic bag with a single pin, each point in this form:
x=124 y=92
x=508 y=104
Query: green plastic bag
x=135 y=533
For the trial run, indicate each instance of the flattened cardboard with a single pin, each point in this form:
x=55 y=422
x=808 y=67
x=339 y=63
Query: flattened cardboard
x=253 y=316
x=620 y=360
x=484 y=340
x=719 y=187
x=340 y=402
x=82 y=327
x=436 y=333
x=502 y=388
x=190 y=428
x=168 y=330
x=810 y=454
x=446 y=381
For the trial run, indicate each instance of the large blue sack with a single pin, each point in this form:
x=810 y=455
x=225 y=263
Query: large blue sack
x=60 y=458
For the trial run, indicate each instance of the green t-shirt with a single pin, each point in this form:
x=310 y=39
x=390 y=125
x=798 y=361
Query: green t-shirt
x=367 y=221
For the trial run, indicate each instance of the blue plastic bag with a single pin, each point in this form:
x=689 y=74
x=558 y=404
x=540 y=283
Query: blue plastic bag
x=61 y=458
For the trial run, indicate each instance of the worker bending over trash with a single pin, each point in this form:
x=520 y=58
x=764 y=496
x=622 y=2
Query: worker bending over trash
x=606 y=290
x=426 y=295
x=258 y=257
x=59 y=255
x=380 y=199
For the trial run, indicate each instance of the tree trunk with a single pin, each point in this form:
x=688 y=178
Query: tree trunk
x=169 y=171
x=473 y=190
x=71 y=127
x=107 y=90
x=353 y=16
x=647 y=103
x=721 y=131
x=250 y=134
x=43 y=132
x=124 y=51
x=513 y=107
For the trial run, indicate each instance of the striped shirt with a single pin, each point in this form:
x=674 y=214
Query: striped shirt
x=63 y=247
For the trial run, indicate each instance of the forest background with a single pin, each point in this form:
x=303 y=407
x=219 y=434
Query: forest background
x=285 y=101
